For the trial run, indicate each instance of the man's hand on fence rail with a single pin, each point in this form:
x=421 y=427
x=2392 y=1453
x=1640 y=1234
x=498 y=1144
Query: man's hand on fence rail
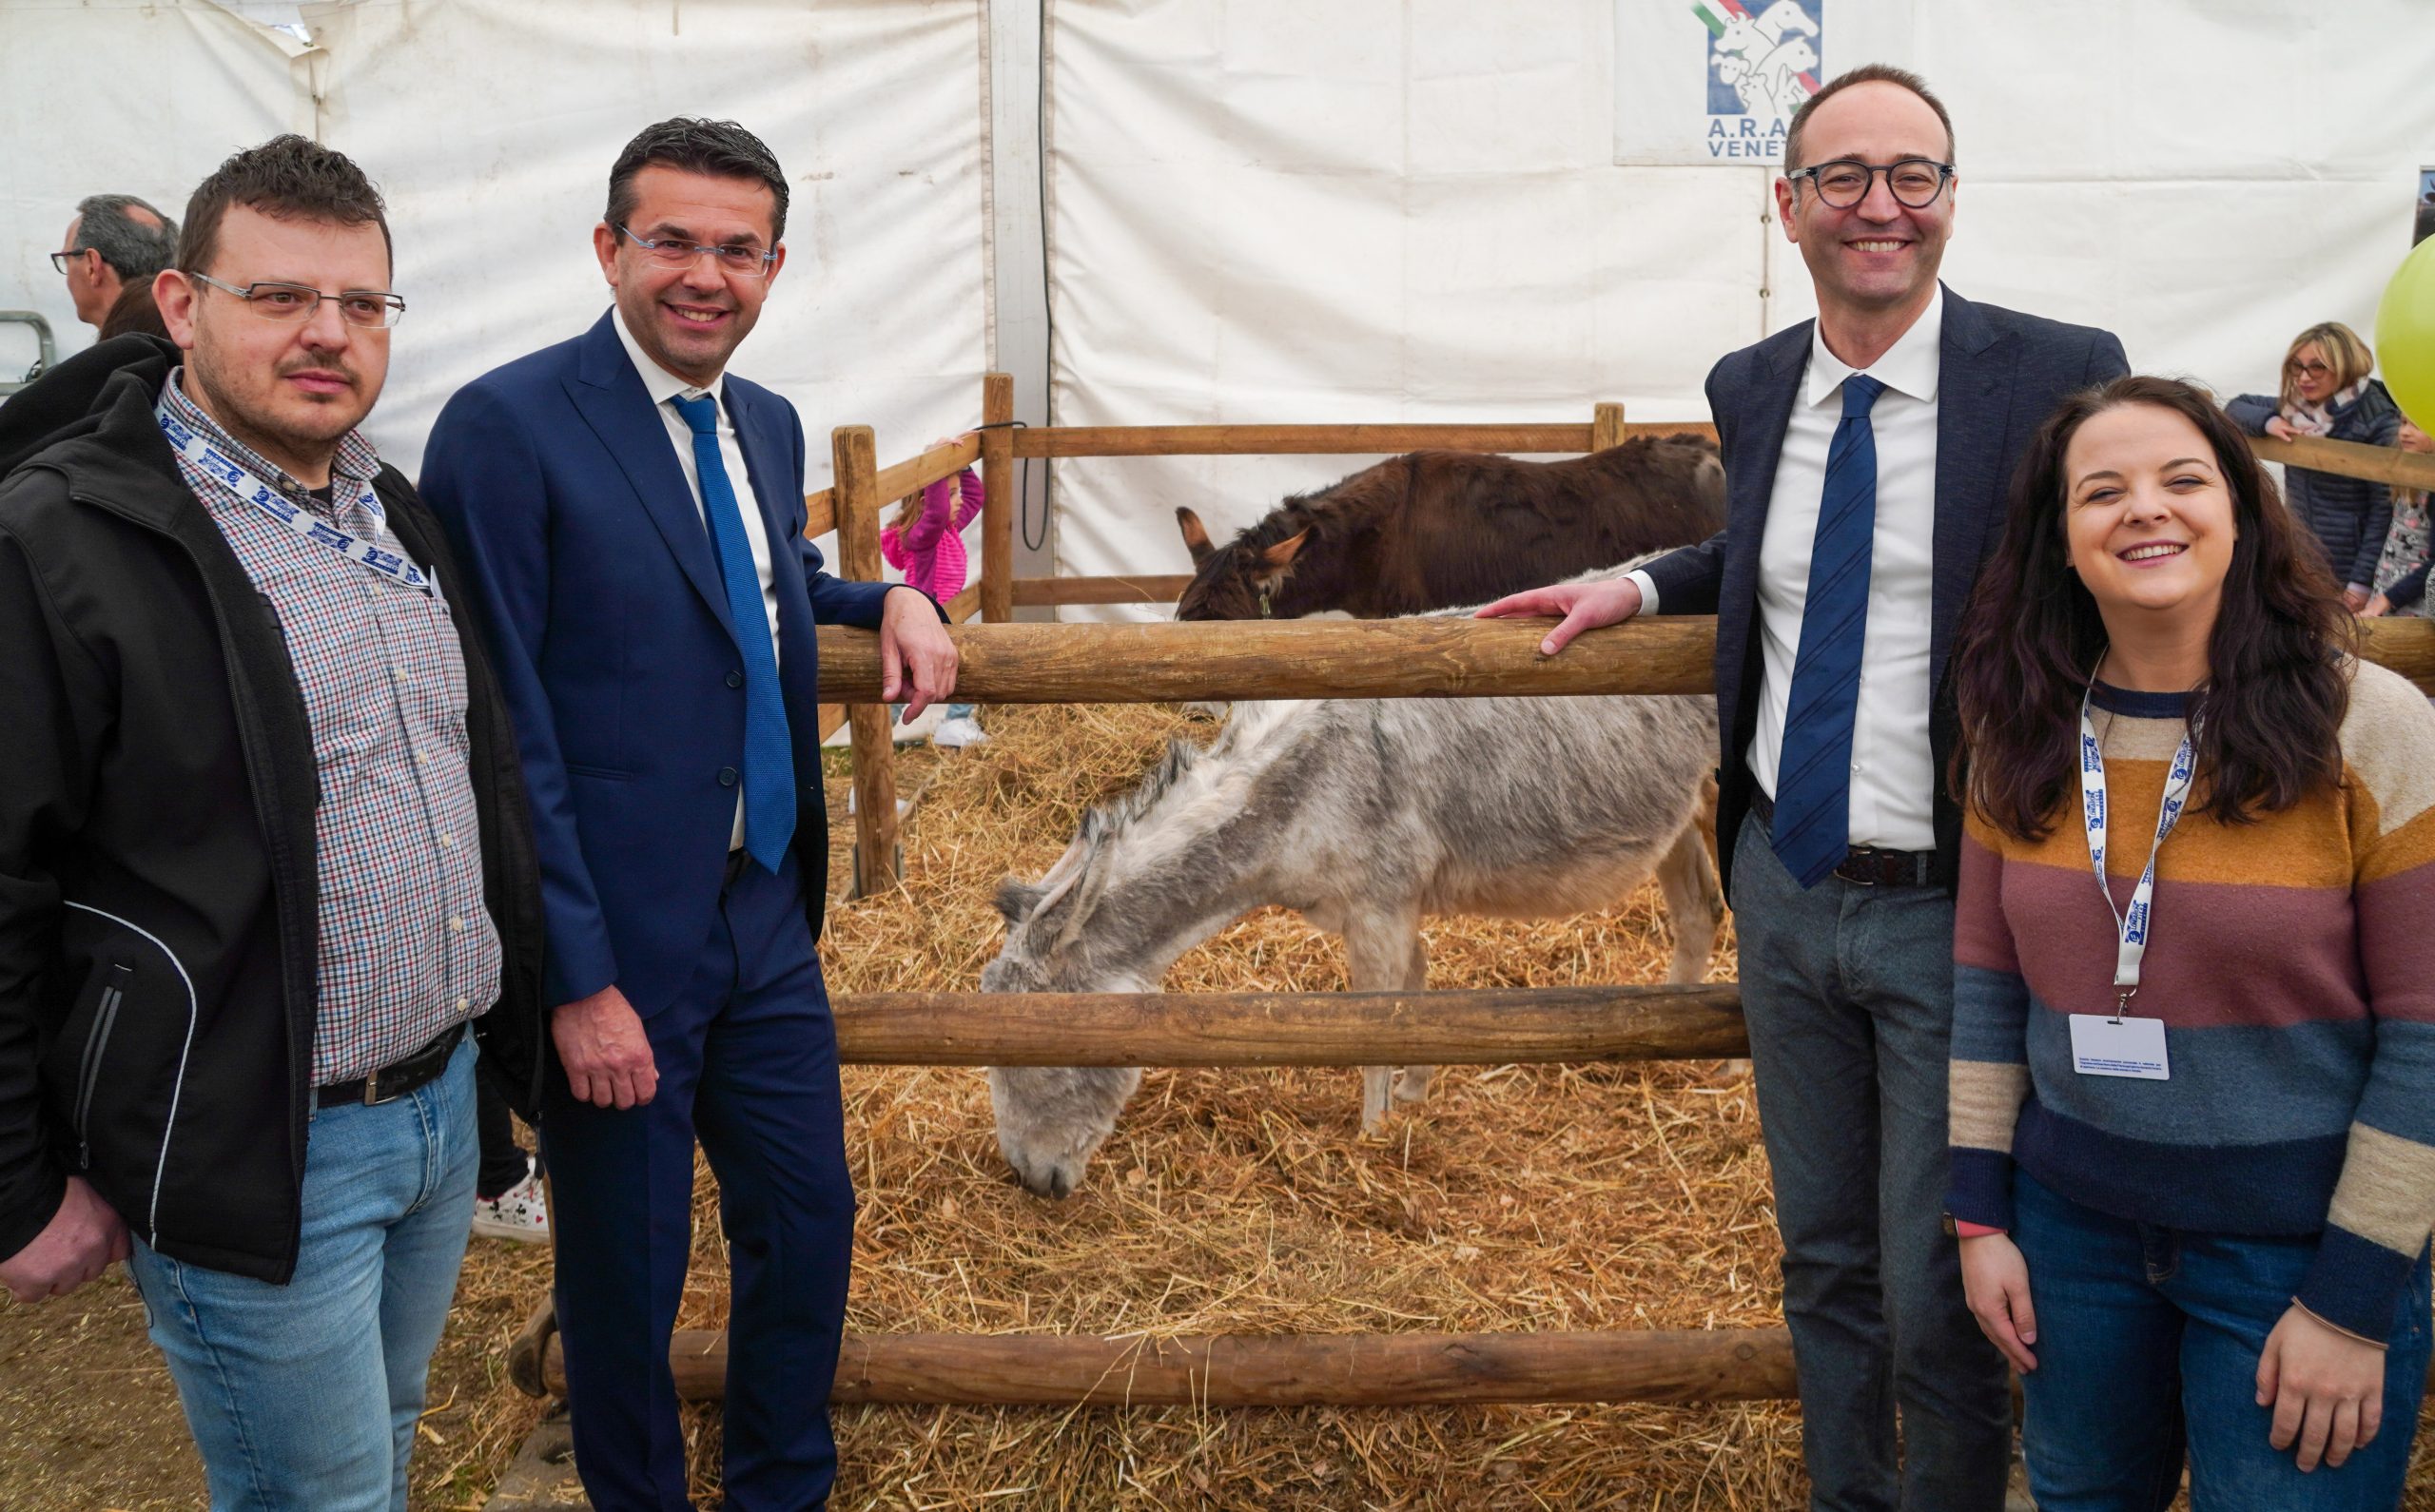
x=1582 y=606
x=917 y=662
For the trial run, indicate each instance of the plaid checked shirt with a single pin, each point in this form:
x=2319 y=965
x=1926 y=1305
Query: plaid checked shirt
x=407 y=948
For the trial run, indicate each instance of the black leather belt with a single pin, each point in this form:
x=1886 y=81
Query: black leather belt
x=394 y=1081
x=1869 y=865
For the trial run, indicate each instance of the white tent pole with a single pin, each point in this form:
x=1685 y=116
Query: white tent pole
x=1018 y=240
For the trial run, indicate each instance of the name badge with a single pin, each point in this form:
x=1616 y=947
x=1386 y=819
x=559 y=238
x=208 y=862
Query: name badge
x=2129 y=1046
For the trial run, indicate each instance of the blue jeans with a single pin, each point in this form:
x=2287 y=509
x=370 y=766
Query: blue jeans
x=306 y=1396
x=2147 y=1342
x=1848 y=992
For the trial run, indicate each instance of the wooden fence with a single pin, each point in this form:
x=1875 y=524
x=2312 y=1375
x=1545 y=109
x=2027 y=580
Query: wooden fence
x=1004 y=662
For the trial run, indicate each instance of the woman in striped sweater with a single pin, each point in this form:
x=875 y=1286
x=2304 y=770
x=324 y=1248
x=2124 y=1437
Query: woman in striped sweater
x=2193 y=1107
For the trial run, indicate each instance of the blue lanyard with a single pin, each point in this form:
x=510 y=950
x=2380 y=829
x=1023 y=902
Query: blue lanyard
x=2132 y=927
x=394 y=565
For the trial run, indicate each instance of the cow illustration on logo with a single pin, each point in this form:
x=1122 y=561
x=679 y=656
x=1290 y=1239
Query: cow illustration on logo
x=1761 y=67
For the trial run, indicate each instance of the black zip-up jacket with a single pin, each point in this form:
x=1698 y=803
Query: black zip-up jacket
x=159 y=922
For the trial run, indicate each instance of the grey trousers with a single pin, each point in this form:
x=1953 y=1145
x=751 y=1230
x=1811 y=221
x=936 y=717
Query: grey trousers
x=1848 y=990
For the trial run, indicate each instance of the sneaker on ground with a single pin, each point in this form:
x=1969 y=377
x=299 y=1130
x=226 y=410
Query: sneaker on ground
x=959 y=731
x=518 y=1215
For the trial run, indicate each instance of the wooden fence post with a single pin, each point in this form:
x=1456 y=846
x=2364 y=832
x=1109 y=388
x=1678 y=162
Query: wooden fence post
x=856 y=490
x=1000 y=489
x=1607 y=426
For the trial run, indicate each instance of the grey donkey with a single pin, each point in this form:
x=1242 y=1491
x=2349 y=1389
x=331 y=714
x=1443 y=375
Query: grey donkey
x=1366 y=815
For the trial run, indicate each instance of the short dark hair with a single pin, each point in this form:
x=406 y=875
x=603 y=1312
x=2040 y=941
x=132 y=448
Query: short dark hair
x=1865 y=73
x=133 y=249
x=2266 y=722
x=287 y=179
x=721 y=149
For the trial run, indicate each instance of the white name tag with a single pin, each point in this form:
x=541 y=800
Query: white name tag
x=2131 y=1046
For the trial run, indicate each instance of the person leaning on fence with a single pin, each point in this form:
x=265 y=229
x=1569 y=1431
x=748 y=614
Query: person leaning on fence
x=1864 y=459
x=2194 y=1104
x=632 y=519
x=264 y=852
x=2400 y=573
x=2327 y=391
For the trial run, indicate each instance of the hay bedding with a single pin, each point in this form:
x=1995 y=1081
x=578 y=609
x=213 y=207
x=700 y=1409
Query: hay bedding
x=1244 y=1201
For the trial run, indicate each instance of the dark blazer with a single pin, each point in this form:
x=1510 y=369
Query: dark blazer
x=2002 y=374
x=558 y=485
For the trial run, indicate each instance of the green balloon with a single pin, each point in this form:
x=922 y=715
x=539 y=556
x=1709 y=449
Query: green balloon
x=2406 y=336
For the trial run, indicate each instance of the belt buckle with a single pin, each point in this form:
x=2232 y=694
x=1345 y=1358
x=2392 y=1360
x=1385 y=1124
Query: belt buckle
x=1849 y=869
x=373 y=1095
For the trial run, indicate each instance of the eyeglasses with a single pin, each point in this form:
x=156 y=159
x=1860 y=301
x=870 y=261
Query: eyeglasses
x=745 y=262
x=60 y=259
x=2308 y=369
x=372 y=309
x=1845 y=183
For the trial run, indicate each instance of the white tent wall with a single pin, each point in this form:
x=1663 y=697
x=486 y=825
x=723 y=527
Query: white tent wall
x=490 y=124
x=1406 y=210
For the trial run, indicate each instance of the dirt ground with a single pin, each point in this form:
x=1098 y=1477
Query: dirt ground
x=1228 y=1201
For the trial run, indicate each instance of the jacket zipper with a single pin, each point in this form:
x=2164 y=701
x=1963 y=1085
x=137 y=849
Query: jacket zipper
x=88 y=1072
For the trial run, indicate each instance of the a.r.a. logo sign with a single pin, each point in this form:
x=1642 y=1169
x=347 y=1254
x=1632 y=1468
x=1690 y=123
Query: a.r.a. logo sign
x=1760 y=67
x=1714 y=81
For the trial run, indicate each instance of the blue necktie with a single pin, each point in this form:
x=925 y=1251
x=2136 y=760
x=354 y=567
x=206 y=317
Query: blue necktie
x=1814 y=777
x=768 y=755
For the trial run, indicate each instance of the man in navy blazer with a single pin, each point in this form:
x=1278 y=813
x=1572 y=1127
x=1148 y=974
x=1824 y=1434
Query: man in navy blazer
x=1867 y=456
x=630 y=518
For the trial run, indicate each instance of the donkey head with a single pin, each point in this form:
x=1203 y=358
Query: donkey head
x=1052 y=1119
x=1235 y=581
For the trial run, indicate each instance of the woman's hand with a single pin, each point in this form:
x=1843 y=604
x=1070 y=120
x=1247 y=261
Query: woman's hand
x=2326 y=1388
x=2377 y=606
x=1995 y=1279
x=2279 y=428
x=2354 y=598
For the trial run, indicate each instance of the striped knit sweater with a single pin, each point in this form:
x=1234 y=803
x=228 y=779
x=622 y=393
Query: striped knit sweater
x=2292 y=962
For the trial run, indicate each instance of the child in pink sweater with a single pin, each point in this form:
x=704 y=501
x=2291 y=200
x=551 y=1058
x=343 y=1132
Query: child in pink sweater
x=926 y=545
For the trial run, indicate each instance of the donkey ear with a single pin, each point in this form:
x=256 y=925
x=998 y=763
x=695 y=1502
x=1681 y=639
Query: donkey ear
x=1017 y=898
x=1196 y=536
x=1280 y=557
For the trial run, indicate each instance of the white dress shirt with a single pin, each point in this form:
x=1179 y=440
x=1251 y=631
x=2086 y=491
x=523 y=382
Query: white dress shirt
x=663 y=385
x=1893 y=780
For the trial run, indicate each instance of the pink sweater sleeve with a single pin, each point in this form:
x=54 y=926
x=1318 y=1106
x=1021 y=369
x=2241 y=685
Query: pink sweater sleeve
x=969 y=491
x=926 y=532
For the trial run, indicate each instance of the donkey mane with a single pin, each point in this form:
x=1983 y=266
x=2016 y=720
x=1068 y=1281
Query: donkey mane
x=1336 y=509
x=1111 y=819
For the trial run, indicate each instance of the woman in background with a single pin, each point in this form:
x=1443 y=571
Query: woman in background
x=2193 y=1044
x=2327 y=392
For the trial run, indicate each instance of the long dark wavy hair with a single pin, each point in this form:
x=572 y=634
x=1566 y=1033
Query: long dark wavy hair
x=2269 y=715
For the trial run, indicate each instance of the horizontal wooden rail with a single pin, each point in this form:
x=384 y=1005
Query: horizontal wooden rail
x=2378 y=464
x=963 y=605
x=1490 y=1026
x=1141 y=589
x=1228 y=659
x=1314 y=440
x=899 y=479
x=1429 y=656
x=1280 y=1370
x=820 y=512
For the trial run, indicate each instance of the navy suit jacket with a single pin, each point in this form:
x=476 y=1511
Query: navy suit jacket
x=587 y=555
x=2000 y=375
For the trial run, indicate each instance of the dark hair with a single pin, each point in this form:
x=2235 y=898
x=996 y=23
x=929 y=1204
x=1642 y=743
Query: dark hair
x=133 y=310
x=134 y=248
x=1865 y=73
x=287 y=179
x=2269 y=716
x=720 y=149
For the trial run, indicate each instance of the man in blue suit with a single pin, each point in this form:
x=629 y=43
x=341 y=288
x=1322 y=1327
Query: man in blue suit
x=1866 y=458
x=630 y=518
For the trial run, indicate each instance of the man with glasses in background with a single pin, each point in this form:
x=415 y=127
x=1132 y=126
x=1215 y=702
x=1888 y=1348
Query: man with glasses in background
x=1866 y=457
x=115 y=245
x=631 y=518
x=263 y=854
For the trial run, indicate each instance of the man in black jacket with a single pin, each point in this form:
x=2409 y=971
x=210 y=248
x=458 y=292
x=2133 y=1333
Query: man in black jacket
x=264 y=848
